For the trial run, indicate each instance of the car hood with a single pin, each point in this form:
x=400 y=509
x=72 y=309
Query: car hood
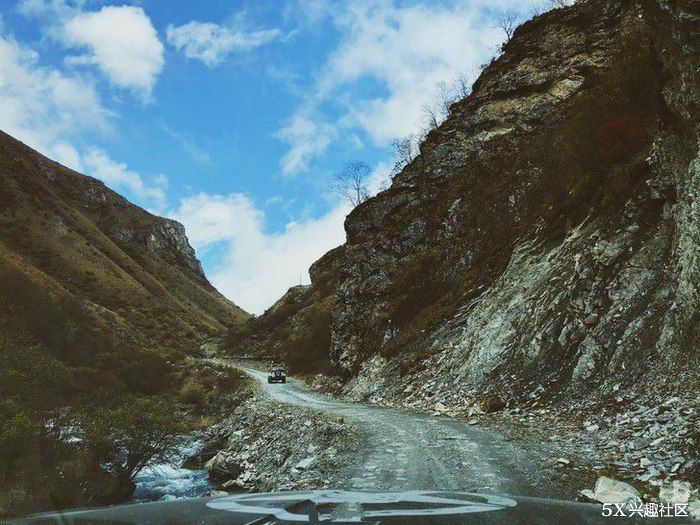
x=346 y=507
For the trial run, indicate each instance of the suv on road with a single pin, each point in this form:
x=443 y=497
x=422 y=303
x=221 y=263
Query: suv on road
x=277 y=375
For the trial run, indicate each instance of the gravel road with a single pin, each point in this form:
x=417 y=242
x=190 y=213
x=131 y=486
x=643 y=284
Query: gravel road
x=405 y=450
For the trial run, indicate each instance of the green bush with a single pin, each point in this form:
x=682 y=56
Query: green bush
x=16 y=501
x=193 y=392
x=17 y=433
x=147 y=372
x=123 y=440
x=29 y=371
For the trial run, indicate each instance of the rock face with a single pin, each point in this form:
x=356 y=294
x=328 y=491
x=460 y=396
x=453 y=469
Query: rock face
x=549 y=228
x=541 y=255
x=67 y=235
x=544 y=243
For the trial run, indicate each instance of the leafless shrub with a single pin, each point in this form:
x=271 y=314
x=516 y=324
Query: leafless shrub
x=464 y=82
x=405 y=150
x=447 y=95
x=431 y=112
x=507 y=22
x=437 y=111
x=350 y=183
x=538 y=9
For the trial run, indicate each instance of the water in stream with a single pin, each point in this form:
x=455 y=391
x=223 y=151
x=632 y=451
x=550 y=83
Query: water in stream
x=164 y=481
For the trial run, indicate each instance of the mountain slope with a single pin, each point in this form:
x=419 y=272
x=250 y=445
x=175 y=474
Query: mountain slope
x=544 y=243
x=100 y=304
x=297 y=328
x=71 y=236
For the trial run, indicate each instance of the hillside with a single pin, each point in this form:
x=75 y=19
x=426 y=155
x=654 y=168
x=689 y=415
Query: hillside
x=297 y=328
x=101 y=303
x=69 y=235
x=542 y=248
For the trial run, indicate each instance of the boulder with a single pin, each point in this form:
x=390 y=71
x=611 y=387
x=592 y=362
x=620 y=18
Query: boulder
x=440 y=408
x=675 y=492
x=305 y=463
x=209 y=349
x=224 y=466
x=608 y=490
x=234 y=484
x=590 y=427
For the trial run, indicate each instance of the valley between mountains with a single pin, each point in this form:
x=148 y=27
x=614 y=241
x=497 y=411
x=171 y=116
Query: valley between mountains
x=518 y=312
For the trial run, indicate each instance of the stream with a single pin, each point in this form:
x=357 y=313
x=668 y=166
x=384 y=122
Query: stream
x=169 y=480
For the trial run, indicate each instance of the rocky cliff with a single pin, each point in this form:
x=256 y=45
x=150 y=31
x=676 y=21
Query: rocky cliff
x=537 y=266
x=66 y=235
x=544 y=244
x=547 y=235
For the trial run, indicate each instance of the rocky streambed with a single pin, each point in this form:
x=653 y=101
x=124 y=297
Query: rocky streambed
x=265 y=445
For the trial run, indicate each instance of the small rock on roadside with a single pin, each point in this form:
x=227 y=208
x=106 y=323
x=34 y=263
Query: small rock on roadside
x=608 y=490
x=306 y=463
x=675 y=492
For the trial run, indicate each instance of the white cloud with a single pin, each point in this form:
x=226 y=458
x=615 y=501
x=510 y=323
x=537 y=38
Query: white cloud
x=48 y=110
x=44 y=107
x=258 y=267
x=119 y=40
x=306 y=138
x=408 y=51
x=212 y=43
x=117 y=176
x=66 y=154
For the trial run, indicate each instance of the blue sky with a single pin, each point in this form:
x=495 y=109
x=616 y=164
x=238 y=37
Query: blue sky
x=232 y=116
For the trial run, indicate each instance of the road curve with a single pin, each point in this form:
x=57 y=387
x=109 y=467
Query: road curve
x=405 y=450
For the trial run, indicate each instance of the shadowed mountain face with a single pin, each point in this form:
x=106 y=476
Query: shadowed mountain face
x=66 y=236
x=545 y=240
x=100 y=304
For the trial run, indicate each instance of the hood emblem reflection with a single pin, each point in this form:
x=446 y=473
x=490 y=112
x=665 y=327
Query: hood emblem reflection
x=336 y=506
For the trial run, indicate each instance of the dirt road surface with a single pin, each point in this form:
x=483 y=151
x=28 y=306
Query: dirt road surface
x=405 y=450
